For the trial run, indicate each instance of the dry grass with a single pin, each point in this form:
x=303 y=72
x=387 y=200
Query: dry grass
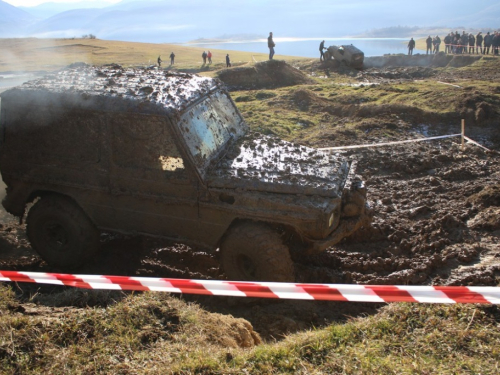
x=158 y=334
x=32 y=54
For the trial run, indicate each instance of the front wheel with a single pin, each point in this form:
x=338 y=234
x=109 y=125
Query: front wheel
x=255 y=252
x=61 y=232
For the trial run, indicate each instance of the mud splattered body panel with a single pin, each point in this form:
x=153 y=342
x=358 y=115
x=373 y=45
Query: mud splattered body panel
x=270 y=164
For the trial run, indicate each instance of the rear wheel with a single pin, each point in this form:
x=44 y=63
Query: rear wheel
x=254 y=251
x=61 y=232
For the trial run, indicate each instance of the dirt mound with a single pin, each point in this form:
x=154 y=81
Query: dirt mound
x=266 y=74
x=230 y=332
x=305 y=100
x=488 y=219
x=439 y=60
x=489 y=196
x=474 y=106
x=461 y=61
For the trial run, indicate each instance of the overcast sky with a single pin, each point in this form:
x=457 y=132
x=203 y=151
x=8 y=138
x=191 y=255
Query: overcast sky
x=30 y=3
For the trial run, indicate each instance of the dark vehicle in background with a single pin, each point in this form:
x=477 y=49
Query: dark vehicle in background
x=155 y=153
x=348 y=54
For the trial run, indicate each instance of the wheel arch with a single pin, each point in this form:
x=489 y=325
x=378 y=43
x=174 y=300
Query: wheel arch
x=289 y=234
x=44 y=193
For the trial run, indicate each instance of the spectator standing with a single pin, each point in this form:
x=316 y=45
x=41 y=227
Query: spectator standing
x=487 y=43
x=159 y=61
x=204 y=57
x=496 y=43
x=472 y=43
x=464 y=42
x=428 y=41
x=209 y=56
x=228 y=61
x=321 y=48
x=479 y=43
x=271 y=45
x=447 y=43
x=437 y=43
x=172 y=58
x=411 y=46
x=458 y=46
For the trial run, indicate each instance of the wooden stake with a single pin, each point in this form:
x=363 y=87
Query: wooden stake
x=463 y=134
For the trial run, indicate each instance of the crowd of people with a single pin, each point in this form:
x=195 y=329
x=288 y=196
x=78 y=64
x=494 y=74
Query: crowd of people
x=207 y=56
x=456 y=43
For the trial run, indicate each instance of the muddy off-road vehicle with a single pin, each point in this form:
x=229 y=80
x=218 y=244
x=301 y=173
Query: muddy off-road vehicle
x=148 y=152
x=348 y=54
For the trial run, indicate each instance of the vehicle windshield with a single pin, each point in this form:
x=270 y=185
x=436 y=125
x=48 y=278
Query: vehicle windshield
x=208 y=126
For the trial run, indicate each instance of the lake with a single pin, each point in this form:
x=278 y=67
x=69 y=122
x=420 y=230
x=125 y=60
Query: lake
x=310 y=47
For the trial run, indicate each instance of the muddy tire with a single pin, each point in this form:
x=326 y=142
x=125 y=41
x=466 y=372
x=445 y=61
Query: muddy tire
x=61 y=232
x=255 y=252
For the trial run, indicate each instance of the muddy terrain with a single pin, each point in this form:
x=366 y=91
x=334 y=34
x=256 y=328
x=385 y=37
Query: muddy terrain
x=436 y=222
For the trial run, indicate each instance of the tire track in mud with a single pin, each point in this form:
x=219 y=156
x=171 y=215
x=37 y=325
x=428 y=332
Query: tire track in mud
x=425 y=226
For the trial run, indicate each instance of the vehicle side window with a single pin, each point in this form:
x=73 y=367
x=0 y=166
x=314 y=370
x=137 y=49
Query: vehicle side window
x=45 y=135
x=144 y=142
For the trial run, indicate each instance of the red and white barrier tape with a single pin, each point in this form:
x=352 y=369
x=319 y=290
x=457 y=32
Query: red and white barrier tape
x=327 y=292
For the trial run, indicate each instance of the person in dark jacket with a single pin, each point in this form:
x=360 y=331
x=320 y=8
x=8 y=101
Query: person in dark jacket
x=228 y=61
x=472 y=42
x=464 y=41
x=487 y=43
x=437 y=43
x=204 y=57
x=172 y=58
x=479 y=43
x=271 y=45
x=159 y=61
x=496 y=43
x=456 y=44
x=428 y=41
x=321 y=48
x=447 y=43
x=411 y=46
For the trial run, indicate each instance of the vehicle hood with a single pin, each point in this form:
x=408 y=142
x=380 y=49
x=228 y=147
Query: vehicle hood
x=263 y=163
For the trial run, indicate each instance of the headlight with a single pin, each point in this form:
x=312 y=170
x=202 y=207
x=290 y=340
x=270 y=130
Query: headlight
x=330 y=221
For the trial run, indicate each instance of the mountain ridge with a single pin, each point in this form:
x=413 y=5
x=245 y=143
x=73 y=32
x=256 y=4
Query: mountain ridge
x=170 y=21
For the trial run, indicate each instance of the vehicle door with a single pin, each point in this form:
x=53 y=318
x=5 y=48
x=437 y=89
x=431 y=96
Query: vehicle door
x=152 y=189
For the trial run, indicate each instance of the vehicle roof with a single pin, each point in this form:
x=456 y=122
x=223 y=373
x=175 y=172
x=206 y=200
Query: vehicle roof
x=170 y=91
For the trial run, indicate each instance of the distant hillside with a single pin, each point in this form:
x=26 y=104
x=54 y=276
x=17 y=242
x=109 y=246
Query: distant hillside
x=13 y=19
x=47 y=10
x=174 y=21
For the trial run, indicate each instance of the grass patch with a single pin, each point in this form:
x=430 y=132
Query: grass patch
x=156 y=333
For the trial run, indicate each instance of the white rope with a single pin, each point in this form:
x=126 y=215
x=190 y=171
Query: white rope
x=388 y=143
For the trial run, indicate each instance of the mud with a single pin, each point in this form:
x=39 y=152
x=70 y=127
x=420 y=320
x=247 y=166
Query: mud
x=266 y=74
x=436 y=221
x=170 y=90
x=286 y=167
x=439 y=60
